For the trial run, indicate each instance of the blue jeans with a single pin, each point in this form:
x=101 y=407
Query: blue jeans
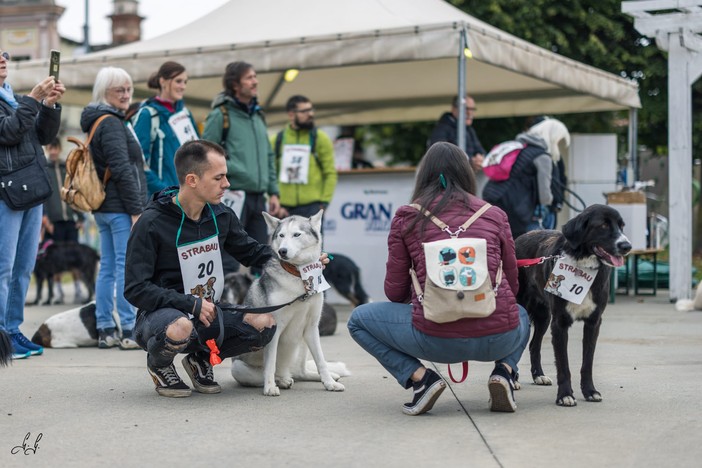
x=19 y=242
x=385 y=330
x=114 y=233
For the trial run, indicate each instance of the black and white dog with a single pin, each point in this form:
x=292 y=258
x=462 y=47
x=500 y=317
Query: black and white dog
x=593 y=240
x=344 y=276
x=59 y=257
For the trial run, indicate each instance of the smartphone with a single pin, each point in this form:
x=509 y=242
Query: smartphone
x=54 y=63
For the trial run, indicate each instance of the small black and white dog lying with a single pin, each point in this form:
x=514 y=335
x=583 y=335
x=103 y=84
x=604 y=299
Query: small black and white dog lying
x=59 y=257
x=594 y=239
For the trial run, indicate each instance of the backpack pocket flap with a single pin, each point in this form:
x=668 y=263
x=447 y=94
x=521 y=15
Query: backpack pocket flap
x=457 y=264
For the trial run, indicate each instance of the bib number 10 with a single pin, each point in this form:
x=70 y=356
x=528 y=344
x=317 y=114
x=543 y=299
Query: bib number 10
x=576 y=289
x=205 y=269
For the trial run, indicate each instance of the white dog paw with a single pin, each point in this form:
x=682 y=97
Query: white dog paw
x=595 y=397
x=334 y=386
x=334 y=376
x=567 y=401
x=271 y=390
x=542 y=380
x=517 y=385
x=285 y=383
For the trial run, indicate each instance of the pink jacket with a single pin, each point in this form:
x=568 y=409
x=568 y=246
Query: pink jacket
x=404 y=249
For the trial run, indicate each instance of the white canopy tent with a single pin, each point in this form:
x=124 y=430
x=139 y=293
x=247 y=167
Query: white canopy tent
x=364 y=61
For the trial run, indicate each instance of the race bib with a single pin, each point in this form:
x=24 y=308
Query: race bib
x=295 y=164
x=234 y=199
x=569 y=281
x=182 y=126
x=201 y=268
x=313 y=278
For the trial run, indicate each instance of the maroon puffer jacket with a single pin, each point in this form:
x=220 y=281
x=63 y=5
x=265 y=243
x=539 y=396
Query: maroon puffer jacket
x=404 y=249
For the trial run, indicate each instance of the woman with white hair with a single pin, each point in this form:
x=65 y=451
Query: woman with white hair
x=115 y=151
x=531 y=185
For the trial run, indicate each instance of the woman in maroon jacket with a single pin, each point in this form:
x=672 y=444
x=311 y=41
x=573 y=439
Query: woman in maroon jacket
x=397 y=333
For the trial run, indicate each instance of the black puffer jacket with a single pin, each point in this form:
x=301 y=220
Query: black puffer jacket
x=115 y=145
x=446 y=130
x=152 y=278
x=24 y=130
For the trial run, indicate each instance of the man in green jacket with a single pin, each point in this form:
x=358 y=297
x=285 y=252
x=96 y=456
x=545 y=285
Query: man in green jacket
x=237 y=123
x=305 y=155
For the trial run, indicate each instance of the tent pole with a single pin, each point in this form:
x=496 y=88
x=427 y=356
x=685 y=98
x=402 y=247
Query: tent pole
x=275 y=91
x=633 y=145
x=461 y=123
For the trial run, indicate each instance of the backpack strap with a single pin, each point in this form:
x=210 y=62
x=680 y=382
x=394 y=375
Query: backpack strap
x=99 y=120
x=155 y=134
x=225 y=127
x=445 y=227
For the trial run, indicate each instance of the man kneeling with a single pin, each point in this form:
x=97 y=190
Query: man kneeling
x=174 y=274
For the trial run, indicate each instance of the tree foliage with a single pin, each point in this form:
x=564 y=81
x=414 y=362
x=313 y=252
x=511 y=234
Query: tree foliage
x=594 y=32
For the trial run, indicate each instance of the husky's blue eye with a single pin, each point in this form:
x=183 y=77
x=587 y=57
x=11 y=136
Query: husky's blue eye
x=281 y=235
x=297 y=234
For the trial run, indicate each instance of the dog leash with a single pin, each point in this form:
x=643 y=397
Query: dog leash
x=464 y=376
x=223 y=307
x=527 y=262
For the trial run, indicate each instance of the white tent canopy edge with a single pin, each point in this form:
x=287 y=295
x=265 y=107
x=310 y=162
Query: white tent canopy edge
x=382 y=73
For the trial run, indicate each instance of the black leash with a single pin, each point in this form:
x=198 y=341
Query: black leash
x=223 y=307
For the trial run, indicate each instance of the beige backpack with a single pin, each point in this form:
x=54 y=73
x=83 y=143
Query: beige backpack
x=82 y=189
x=457 y=284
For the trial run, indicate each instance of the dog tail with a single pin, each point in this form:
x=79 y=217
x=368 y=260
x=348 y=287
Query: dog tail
x=685 y=305
x=5 y=349
x=246 y=375
x=335 y=367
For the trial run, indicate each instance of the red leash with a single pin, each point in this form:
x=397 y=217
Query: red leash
x=527 y=262
x=465 y=372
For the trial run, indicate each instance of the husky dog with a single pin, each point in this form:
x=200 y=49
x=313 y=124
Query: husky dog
x=296 y=241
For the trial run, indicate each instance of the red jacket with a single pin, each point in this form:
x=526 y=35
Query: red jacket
x=404 y=249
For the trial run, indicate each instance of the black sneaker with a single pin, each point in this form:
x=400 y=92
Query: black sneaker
x=501 y=387
x=426 y=392
x=107 y=338
x=201 y=373
x=168 y=382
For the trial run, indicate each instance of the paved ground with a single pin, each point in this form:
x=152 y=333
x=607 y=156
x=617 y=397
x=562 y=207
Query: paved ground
x=98 y=407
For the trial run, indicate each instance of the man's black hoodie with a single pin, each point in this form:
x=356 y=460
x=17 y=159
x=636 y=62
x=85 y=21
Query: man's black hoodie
x=152 y=271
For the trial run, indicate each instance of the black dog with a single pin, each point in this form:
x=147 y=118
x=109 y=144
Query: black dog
x=345 y=277
x=59 y=257
x=593 y=239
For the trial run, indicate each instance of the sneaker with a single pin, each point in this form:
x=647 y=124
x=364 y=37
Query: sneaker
x=168 y=382
x=22 y=344
x=19 y=351
x=107 y=338
x=201 y=373
x=501 y=387
x=127 y=342
x=426 y=392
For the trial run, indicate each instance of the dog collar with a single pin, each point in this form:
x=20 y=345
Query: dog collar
x=290 y=268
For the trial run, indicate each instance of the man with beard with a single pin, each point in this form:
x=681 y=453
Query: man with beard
x=237 y=123
x=446 y=129
x=305 y=156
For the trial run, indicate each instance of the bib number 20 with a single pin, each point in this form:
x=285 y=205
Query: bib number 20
x=205 y=269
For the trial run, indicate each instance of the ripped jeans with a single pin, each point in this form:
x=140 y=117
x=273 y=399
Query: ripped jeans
x=239 y=337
